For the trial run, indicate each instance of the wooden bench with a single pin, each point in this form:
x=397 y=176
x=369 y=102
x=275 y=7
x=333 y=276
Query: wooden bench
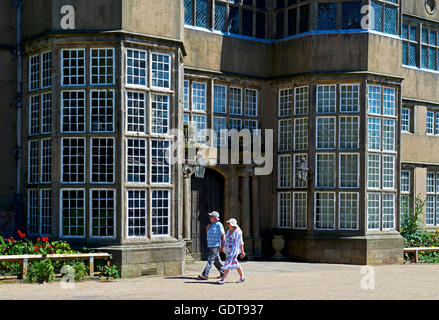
x=416 y=250
x=38 y=257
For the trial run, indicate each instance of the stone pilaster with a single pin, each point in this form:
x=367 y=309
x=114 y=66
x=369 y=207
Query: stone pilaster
x=245 y=203
x=256 y=238
x=187 y=208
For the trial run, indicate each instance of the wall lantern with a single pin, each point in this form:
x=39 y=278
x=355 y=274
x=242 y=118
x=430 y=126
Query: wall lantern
x=302 y=170
x=199 y=167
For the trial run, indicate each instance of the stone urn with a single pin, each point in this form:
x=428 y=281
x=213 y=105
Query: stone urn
x=278 y=244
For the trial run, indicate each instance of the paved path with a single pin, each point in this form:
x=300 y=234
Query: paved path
x=265 y=280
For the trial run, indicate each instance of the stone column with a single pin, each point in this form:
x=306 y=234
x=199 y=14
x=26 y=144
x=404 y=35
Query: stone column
x=256 y=221
x=245 y=206
x=187 y=214
x=255 y=206
x=187 y=174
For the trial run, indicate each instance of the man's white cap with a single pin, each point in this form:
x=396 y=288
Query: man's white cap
x=215 y=214
x=233 y=222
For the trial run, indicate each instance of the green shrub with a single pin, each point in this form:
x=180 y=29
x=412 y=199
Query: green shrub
x=40 y=272
x=109 y=271
x=414 y=235
x=80 y=271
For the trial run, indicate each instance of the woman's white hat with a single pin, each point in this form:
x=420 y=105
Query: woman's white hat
x=233 y=222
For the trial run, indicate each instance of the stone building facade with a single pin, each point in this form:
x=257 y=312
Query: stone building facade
x=102 y=85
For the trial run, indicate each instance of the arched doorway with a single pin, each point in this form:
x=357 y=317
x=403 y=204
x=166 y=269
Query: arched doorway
x=207 y=196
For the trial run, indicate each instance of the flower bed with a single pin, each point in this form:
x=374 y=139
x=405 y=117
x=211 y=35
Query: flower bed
x=45 y=270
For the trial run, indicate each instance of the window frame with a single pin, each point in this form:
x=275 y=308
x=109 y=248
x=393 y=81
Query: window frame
x=91 y=163
x=146 y=69
x=113 y=75
x=334 y=138
x=152 y=117
x=84 y=156
x=62 y=84
x=84 y=199
x=160 y=88
x=288 y=217
x=144 y=108
x=84 y=108
x=91 y=214
x=145 y=218
x=341 y=154
x=165 y=156
x=334 y=174
x=284 y=177
x=334 y=200
x=46 y=162
x=112 y=115
x=43 y=70
x=357 y=222
x=169 y=216
x=34 y=76
x=146 y=158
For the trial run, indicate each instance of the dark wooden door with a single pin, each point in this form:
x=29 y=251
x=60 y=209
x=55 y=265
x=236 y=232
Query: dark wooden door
x=207 y=196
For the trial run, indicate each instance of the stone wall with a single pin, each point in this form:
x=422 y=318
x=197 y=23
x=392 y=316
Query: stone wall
x=363 y=250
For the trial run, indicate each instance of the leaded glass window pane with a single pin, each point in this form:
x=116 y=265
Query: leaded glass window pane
x=285 y=102
x=284 y=209
x=351 y=15
x=373 y=211
x=220 y=16
x=349 y=171
x=326 y=99
x=349 y=133
x=389 y=135
x=233 y=19
x=324 y=211
x=373 y=171
x=325 y=171
x=326 y=133
x=350 y=98
x=390 y=19
x=374 y=134
x=378 y=16
x=201 y=13
x=300 y=210
x=327 y=16
x=188 y=12
x=349 y=203
x=388 y=211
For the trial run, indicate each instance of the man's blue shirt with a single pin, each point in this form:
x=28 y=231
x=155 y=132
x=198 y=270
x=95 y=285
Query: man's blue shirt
x=214 y=234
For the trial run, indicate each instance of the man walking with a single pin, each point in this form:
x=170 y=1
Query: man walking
x=215 y=244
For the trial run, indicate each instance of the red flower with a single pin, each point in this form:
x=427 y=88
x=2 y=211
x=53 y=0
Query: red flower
x=38 y=239
x=41 y=247
x=36 y=249
x=50 y=246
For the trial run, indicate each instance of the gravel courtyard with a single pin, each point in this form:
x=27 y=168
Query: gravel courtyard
x=265 y=280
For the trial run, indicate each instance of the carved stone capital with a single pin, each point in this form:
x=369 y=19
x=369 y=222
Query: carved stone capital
x=188 y=170
x=245 y=172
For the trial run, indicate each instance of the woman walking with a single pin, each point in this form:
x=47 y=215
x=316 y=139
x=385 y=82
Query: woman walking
x=234 y=245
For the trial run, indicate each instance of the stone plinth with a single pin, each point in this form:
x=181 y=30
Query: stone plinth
x=153 y=260
x=361 y=250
